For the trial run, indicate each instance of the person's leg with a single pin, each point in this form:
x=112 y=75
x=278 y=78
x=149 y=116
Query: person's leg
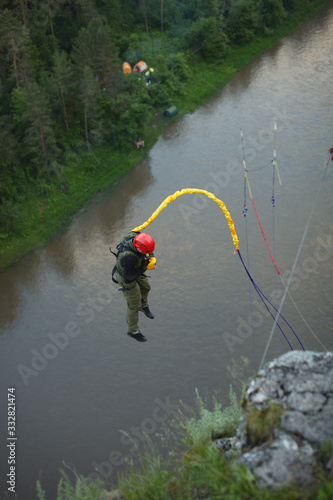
x=145 y=288
x=133 y=299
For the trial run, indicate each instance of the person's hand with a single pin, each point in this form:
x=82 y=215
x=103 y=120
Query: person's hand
x=151 y=263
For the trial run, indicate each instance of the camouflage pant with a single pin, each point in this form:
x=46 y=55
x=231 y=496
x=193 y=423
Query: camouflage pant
x=136 y=295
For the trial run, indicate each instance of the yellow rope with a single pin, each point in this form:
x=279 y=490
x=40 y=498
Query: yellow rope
x=277 y=171
x=172 y=197
x=248 y=184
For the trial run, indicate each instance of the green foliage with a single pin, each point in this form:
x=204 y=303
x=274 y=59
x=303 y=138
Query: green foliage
x=208 y=475
x=39 y=138
x=202 y=473
x=82 y=490
x=244 y=21
x=261 y=423
x=211 y=424
x=63 y=94
x=40 y=491
x=273 y=13
x=150 y=481
x=215 y=46
x=291 y=5
x=207 y=37
x=325 y=491
x=325 y=452
x=9 y=215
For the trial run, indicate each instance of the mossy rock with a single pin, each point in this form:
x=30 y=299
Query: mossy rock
x=261 y=423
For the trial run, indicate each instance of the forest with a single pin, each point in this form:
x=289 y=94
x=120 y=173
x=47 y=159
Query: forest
x=63 y=94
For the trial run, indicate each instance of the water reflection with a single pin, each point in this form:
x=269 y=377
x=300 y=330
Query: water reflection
x=101 y=382
x=101 y=219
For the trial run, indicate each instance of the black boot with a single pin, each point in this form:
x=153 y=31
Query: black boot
x=147 y=312
x=137 y=336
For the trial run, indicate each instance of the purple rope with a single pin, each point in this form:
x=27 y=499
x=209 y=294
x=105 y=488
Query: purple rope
x=262 y=296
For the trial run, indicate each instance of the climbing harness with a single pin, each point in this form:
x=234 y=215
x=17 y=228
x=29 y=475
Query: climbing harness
x=123 y=247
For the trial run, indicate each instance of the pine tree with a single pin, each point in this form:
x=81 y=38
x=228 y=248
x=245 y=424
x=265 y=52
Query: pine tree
x=145 y=14
x=107 y=61
x=85 y=11
x=8 y=159
x=89 y=93
x=10 y=30
x=20 y=9
x=63 y=79
x=39 y=136
x=94 y=47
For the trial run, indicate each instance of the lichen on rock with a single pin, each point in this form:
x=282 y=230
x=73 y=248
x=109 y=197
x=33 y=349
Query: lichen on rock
x=287 y=419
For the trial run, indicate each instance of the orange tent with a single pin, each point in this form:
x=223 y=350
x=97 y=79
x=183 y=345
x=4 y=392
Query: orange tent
x=127 y=68
x=140 y=66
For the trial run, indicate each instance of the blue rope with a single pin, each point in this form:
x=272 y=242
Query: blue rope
x=262 y=297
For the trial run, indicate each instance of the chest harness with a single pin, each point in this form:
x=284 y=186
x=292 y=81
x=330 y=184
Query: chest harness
x=124 y=248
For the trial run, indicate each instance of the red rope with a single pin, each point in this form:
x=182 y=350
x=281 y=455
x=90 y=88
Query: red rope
x=262 y=232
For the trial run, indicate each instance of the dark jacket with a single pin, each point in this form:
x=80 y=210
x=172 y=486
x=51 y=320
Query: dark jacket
x=130 y=264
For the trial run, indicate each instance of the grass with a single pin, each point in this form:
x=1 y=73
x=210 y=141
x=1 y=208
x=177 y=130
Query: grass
x=261 y=423
x=211 y=424
x=202 y=474
x=44 y=215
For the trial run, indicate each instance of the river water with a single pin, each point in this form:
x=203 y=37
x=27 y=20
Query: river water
x=79 y=379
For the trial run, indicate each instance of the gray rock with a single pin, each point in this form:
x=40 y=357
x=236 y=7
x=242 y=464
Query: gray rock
x=301 y=383
x=281 y=462
x=230 y=446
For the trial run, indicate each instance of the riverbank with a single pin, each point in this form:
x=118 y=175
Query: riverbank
x=46 y=214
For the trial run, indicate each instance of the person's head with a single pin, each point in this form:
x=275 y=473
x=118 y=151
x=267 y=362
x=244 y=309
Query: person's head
x=144 y=243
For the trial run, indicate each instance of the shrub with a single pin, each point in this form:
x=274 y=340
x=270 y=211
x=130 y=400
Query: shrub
x=211 y=424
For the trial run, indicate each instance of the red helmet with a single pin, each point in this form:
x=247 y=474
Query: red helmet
x=144 y=242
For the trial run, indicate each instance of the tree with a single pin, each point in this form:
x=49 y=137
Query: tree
x=116 y=14
x=94 y=47
x=39 y=136
x=10 y=178
x=85 y=11
x=89 y=93
x=107 y=62
x=145 y=14
x=244 y=21
x=8 y=159
x=54 y=8
x=215 y=45
x=20 y=8
x=273 y=12
x=63 y=77
x=10 y=30
x=209 y=8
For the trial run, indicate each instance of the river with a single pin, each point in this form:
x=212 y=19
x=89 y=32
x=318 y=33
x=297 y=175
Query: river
x=78 y=378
